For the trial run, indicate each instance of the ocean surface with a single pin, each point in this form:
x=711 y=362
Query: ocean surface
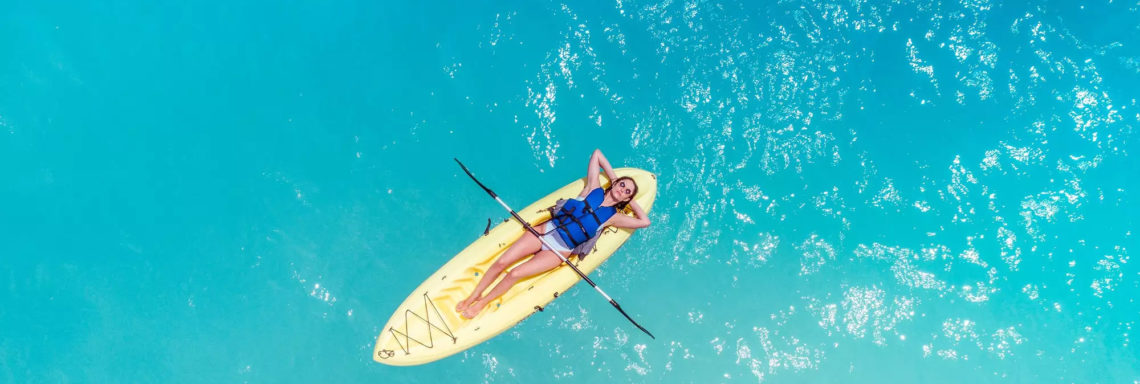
x=850 y=191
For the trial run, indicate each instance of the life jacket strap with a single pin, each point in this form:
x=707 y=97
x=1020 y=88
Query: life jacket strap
x=592 y=212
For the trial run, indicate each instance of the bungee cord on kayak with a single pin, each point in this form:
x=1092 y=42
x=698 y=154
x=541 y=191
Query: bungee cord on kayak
x=426 y=318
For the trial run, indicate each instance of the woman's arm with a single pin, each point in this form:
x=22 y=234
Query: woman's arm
x=640 y=219
x=604 y=163
x=598 y=162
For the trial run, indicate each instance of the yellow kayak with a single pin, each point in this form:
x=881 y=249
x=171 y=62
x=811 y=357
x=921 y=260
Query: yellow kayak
x=426 y=327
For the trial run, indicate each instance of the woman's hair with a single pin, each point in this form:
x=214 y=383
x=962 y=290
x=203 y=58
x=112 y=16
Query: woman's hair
x=621 y=205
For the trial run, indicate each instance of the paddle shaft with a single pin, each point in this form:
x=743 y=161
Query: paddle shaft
x=559 y=254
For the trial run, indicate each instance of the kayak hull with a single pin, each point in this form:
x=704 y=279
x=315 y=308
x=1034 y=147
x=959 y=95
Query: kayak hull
x=426 y=327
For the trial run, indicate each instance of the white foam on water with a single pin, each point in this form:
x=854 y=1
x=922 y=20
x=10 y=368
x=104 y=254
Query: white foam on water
x=490 y=362
x=919 y=65
x=757 y=253
x=903 y=265
x=451 y=69
x=887 y=196
x=794 y=149
x=1010 y=252
x=541 y=138
x=960 y=335
x=816 y=253
x=780 y=354
x=641 y=366
x=979 y=292
x=1003 y=340
x=959 y=330
x=863 y=311
x=1031 y=291
x=298 y=189
x=1109 y=271
x=495 y=34
x=322 y=294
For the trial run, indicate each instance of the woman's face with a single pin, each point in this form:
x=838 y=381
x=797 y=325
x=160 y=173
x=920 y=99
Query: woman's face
x=623 y=190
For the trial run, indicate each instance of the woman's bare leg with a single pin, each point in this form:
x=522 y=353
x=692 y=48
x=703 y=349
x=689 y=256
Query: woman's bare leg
x=541 y=262
x=525 y=246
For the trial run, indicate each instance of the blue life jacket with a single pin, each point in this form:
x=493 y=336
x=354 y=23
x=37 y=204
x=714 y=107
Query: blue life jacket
x=579 y=220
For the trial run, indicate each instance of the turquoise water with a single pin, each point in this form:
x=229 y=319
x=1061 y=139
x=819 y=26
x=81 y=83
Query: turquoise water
x=851 y=191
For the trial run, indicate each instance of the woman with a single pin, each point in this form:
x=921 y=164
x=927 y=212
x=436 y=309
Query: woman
x=578 y=220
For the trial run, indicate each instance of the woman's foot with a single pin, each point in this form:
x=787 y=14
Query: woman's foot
x=474 y=309
x=462 y=306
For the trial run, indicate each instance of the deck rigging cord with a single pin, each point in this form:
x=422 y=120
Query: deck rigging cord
x=426 y=319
